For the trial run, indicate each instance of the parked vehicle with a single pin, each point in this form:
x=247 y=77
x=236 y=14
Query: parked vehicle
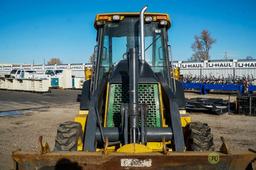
x=48 y=74
x=21 y=74
x=17 y=73
x=29 y=74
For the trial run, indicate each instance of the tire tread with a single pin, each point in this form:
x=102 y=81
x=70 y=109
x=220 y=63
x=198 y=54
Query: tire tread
x=67 y=136
x=198 y=137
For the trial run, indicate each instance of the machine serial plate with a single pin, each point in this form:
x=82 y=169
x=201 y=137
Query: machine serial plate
x=136 y=162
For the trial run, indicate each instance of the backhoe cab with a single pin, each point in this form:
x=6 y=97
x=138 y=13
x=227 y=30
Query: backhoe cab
x=132 y=110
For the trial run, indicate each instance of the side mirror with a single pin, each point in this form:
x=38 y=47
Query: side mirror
x=170 y=53
x=105 y=54
x=160 y=53
x=95 y=54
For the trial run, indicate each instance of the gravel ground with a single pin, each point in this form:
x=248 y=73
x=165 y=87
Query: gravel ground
x=22 y=132
x=40 y=115
x=238 y=131
x=14 y=100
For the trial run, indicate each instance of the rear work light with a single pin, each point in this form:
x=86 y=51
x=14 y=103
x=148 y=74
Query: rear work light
x=163 y=22
x=161 y=17
x=148 y=19
x=105 y=18
x=115 y=17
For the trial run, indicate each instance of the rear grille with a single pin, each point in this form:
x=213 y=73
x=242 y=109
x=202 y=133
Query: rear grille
x=147 y=94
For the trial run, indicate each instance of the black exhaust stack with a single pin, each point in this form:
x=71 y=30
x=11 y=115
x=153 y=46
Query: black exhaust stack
x=133 y=95
x=133 y=82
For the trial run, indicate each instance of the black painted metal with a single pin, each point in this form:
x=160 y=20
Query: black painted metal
x=207 y=105
x=85 y=96
x=125 y=124
x=246 y=104
x=90 y=131
x=151 y=134
x=176 y=126
x=143 y=112
x=93 y=119
x=100 y=52
x=166 y=51
x=133 y=95
x=174 y=115
x=113 y=134
x=120 y=73
x=158 y=134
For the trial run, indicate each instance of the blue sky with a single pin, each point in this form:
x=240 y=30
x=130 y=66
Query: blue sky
x=40 y=29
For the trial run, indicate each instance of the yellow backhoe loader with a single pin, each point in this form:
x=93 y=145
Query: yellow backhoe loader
x=132 y=112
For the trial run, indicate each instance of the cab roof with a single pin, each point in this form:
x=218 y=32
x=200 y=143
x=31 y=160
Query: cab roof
x=155 y=16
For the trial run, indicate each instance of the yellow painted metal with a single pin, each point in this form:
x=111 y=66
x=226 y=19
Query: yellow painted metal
x=81 y=118
x=106 y=106
x=155 y=146
x=83 y=112
x=185 y=120
x=161 y=106
x=184 y=117
x=176 y=73
x=107 y=17
x=110 y=149
x=132 y=14
x=155 y=16
x=134 y=148
x=88 y=73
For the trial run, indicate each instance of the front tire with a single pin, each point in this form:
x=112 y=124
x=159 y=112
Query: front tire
x=68 y=134
x=198 y=137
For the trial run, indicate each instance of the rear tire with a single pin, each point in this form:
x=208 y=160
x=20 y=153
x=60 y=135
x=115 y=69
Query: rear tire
x=198 y=137
x=68 y=134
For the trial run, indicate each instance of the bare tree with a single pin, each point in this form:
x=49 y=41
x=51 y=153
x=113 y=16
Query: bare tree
x=54 y=61
x=202 y=46
x=249 y=58
x=92 y=58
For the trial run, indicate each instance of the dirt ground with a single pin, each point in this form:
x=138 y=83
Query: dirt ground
x=40 y=116
x=22 y=131
x=239 y=131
